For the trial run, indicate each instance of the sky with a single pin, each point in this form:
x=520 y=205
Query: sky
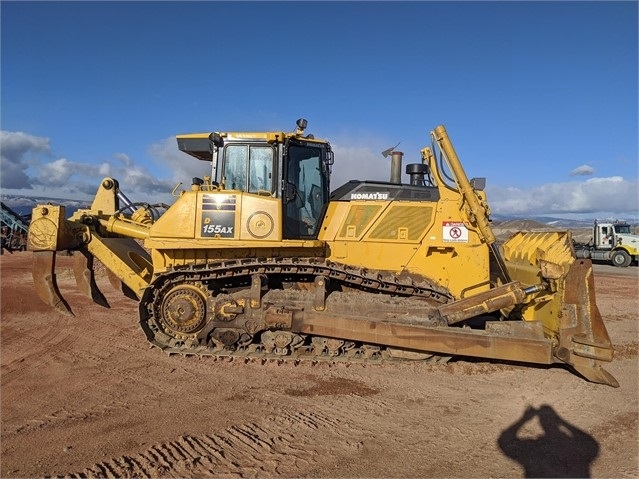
x=541 y=98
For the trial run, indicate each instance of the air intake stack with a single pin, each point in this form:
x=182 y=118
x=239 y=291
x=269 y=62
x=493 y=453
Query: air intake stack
x=417 y=172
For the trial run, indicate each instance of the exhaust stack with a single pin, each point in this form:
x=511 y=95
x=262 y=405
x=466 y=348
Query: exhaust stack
x=396 y=167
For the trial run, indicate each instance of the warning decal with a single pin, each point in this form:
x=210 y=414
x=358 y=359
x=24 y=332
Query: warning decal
x=454 y=232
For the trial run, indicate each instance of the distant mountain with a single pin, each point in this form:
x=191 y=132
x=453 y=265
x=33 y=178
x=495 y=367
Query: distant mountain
x=550 y=221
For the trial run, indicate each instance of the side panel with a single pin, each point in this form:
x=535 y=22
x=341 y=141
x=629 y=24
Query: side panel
x=221 y=215
x=423 y=239
x=260 y=218
x=204 y=226
x=463 y=269
x=349 y=225
x=237 y=215
x=178 y=220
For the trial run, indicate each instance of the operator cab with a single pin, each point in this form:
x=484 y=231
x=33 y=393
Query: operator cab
x=288 y=166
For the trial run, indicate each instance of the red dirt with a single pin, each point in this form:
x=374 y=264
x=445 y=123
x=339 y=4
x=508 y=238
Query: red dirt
x=87 y=396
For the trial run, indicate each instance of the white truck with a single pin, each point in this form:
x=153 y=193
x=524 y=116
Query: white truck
x=611 y=241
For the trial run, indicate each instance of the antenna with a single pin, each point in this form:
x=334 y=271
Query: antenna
x=387 y=152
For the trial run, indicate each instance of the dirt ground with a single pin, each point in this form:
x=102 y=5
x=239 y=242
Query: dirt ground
x=87 y=397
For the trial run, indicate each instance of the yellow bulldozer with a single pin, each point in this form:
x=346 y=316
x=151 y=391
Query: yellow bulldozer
x=260 y=259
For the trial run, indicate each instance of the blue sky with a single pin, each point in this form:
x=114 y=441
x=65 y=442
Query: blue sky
x=539 y=97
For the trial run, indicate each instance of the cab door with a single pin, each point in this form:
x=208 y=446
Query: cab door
x=305 y=189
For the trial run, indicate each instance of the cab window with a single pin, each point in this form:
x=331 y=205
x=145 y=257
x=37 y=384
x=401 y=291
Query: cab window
x=248 y=168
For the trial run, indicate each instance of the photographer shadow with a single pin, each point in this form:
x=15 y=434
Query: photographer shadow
x=562 y=450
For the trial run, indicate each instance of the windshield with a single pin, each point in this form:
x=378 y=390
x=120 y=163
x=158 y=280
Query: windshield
x=622 y=229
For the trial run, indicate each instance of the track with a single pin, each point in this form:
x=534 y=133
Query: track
x=219 y=321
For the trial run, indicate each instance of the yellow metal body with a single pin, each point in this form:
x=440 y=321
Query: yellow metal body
x=190 y=232
x=412 y=238
x=445 y=241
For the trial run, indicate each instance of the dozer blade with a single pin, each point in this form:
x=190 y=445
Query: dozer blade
x=583 y=341
x=45 y=282
x=567 y=309
x=85 y=277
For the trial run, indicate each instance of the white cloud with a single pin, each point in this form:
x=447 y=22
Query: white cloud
x=614 y=194
x=143 y=185
x=124 y=159
x=18 y=149
x=56 y=173
x=27 y=168
x=358 y=163
x=105 y=169
x=583 y=170
x=183 y=167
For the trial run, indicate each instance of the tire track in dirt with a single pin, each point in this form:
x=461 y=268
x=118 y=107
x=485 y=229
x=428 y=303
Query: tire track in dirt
x=58 y=345
x=248 y=450
x=286 y=444
x=55 y=418
x=25 y=353
x=22 y=354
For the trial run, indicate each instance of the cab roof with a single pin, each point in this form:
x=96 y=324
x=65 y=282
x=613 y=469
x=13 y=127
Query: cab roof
x=199 y=145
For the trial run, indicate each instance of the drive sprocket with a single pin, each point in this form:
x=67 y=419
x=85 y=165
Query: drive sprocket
x=183 y=310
